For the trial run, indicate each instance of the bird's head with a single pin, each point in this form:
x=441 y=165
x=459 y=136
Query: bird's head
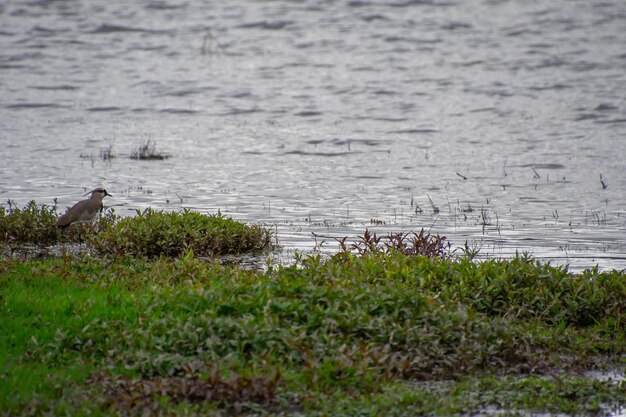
x=99 y=193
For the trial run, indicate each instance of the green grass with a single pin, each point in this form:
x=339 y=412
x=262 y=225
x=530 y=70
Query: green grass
x=378 y=333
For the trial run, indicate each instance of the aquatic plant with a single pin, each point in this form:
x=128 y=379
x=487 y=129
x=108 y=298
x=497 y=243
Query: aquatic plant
x=411 y=244
x=106 y=154
x=148 y=151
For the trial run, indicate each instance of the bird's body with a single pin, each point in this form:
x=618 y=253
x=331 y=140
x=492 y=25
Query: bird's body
x=84 y=211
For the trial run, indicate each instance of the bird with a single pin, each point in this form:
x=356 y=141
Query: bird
x=85 y=211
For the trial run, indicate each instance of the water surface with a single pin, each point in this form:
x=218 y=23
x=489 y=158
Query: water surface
x=501 y=123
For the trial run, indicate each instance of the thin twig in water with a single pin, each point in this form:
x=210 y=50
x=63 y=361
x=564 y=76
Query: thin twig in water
x=536 y=174
x=210 y=40
x=604 y=184
x=435 y=208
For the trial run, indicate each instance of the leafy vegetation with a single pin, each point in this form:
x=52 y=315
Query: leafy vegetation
x=390 y=325
x=409 y=244
x=151 y=233
x=375 y=332
x=154 y=233
x=33 y=223
x=520 y=288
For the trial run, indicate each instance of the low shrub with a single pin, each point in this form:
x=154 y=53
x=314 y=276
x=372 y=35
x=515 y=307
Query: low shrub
x=153 y=233
x=33 y=224
x=409 y=244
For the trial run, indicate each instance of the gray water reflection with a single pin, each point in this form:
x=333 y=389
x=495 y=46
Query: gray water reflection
x=488 y=121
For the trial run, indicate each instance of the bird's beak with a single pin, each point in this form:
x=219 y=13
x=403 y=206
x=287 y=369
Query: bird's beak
x=106 y=193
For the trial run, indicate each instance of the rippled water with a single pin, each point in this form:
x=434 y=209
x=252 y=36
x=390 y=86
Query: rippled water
x=497 y=122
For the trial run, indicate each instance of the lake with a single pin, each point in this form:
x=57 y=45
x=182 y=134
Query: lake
x=497 y=123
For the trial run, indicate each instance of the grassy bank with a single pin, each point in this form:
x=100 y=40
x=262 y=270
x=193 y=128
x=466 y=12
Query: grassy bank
x=367 y=332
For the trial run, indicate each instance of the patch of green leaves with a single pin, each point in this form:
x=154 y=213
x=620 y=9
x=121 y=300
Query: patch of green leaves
x=522 y=288
x=517 y=289
x=355 y=334
x=151 y=233
x=33 y=223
